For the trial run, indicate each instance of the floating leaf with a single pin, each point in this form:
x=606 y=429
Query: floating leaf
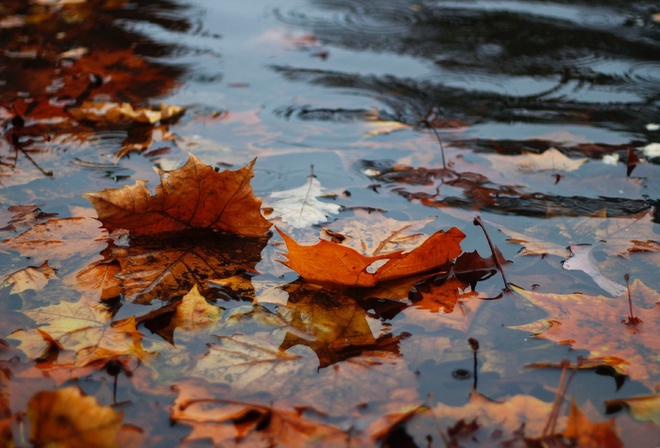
x=300 y=206
x=327 y=262
x=194 y=196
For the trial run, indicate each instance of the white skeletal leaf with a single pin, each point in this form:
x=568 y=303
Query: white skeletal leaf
x=300 y=206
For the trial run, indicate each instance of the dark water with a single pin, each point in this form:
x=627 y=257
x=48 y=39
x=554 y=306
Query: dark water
x=301 y=83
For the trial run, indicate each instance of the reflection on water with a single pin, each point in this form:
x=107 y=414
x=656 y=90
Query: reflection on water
x=534 y=62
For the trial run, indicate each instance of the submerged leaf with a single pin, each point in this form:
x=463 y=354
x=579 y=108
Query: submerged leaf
x=599 y=324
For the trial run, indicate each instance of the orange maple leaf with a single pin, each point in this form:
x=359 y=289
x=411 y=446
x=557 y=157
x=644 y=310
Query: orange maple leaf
x=194 y=196
x=332 y=263
x=599 y=324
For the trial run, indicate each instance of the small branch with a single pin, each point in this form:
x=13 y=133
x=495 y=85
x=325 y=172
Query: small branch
x=474 y=344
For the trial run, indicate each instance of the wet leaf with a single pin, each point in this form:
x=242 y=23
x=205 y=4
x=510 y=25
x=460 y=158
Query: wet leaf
x=485 y=422
x=66 y=418
x=194 y=196
x=124 y=113
x=194 y=313
x=85 y=329
x=30 y=278
x=372 y=233
x=331 y=263
x=599 y=324
x=300 y=207
x=239 y=423
x=582 y=259
x=620 y=235
x=583 y=432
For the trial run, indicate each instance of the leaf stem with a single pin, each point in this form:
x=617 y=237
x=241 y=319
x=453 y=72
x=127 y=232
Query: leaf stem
x=478 y=222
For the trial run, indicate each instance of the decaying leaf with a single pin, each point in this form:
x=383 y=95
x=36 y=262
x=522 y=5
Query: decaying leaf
x=581 y=431
x=331 y=263
x=194 y=196
x=601 y=325
x=59 y=239
x=30 y=278
x=124 y=113
x=66 y=418
x=300 y=207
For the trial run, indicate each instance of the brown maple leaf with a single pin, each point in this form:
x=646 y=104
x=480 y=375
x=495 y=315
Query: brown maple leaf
x=194 y=196
x=238 y=423
x=67 y=418
x=331 y=263
x=600 y=325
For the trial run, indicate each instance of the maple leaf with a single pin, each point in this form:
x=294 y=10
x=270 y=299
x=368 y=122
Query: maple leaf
x=123 y=113
x=83 y=328
x=581 y=431
x=619 y=236
x=67 y=418
x=598 y=324
x=372 y=233
x=30 y=278
x=238 y=423
x=582 y=259
x=300 y=207
x=331 y=263
x=194 y=196
x=60 y=239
